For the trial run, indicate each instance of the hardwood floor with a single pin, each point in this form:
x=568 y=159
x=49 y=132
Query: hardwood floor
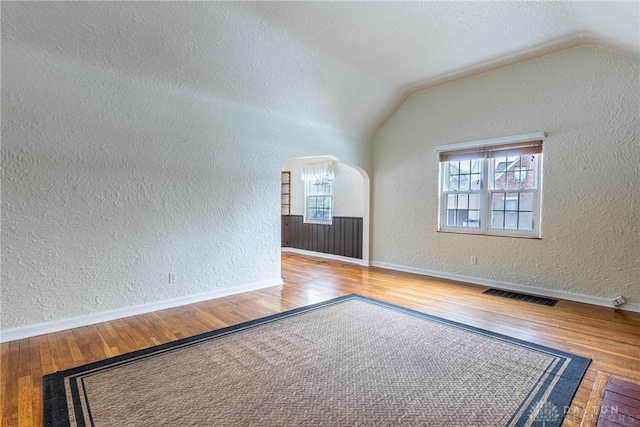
x=610 y=337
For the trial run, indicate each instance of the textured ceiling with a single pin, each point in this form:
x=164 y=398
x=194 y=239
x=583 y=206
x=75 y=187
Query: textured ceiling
x=346 y=65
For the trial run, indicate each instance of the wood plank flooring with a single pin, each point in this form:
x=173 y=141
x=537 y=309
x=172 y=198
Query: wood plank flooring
x=610 y=337
x=620 y=405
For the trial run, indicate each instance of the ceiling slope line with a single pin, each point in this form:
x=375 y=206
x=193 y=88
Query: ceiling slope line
x=556 y=46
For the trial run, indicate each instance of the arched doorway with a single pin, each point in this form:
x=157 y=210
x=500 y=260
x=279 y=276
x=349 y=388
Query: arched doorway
x=346 y=237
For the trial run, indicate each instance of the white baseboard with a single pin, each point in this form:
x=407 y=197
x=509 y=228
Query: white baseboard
x=61 y=325
x=328 y=256
x=549 y=293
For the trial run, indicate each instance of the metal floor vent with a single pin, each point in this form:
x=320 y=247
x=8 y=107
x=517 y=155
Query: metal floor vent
x=521 y=297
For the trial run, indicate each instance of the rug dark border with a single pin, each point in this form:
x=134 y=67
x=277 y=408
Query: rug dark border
x=55 y=410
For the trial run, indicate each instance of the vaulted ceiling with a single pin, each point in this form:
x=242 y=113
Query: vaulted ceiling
x=346 y=65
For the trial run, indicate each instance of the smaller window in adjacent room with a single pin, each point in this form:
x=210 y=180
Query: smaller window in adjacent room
x=318 y=179
x=492 y=187
x=319 y=197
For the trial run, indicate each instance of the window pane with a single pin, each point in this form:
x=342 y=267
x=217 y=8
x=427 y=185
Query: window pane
x=525 y=221
x=500 y=164
x=319 y=207
x=497 y=201
x=511 y=202
x=458 y=212
x=451 y=201
x=513 y=160
x=514 y=172
x=474 y=219
x=475 y=181
x=464 y=182
x=526 y=202
x=517 y=177
x=319 y=186
x=474 y=201
x=463 y=201
x=497 y=219
x=528 y=171
x=451 y=217
x=520 y=175
x=465 y=167
x=512 y=211
x=476 y=166
x=523 y=172
x=511 y=220
x=464 y=175
x=453 y=182
x=454 y=168
x=461 y=217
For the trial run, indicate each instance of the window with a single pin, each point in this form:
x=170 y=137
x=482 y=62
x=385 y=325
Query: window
x=520 y=175
x=318 y=197
x=492 y=187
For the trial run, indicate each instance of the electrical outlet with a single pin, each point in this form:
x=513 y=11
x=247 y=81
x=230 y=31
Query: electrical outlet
x=618 y=301
x=172 y=278
x=474 y=260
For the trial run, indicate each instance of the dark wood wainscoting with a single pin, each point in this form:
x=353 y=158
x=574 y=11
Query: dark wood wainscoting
x=343 y=237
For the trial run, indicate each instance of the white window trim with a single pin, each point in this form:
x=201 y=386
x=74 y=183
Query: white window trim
x=443 y=206
x=486 y=190
x=307 y=194
x=526 y=137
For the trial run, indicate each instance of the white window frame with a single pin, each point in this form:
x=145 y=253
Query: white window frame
x=487 y=188
x=309 y=193
x=444 y=193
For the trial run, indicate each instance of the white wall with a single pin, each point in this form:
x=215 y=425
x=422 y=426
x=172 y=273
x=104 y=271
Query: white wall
x=587 y=100
x=348 y=188
x=110 y=182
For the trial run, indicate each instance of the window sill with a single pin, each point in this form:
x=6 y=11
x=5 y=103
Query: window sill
x=489 y=235
x=317 y=222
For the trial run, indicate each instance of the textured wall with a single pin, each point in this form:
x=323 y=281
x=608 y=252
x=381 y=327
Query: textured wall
x=587 y=100
x=348 y=189
x=110 y=181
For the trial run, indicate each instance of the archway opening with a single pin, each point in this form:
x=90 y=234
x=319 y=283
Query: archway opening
x=346 y=235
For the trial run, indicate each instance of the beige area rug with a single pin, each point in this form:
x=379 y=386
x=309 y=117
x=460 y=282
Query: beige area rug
x=351 y=361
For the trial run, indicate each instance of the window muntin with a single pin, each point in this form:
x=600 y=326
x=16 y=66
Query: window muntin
x=513 y=192
x=318 y=201
x=464 y=175
x=462 y=193
x=491 y=189
x=520 y=174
